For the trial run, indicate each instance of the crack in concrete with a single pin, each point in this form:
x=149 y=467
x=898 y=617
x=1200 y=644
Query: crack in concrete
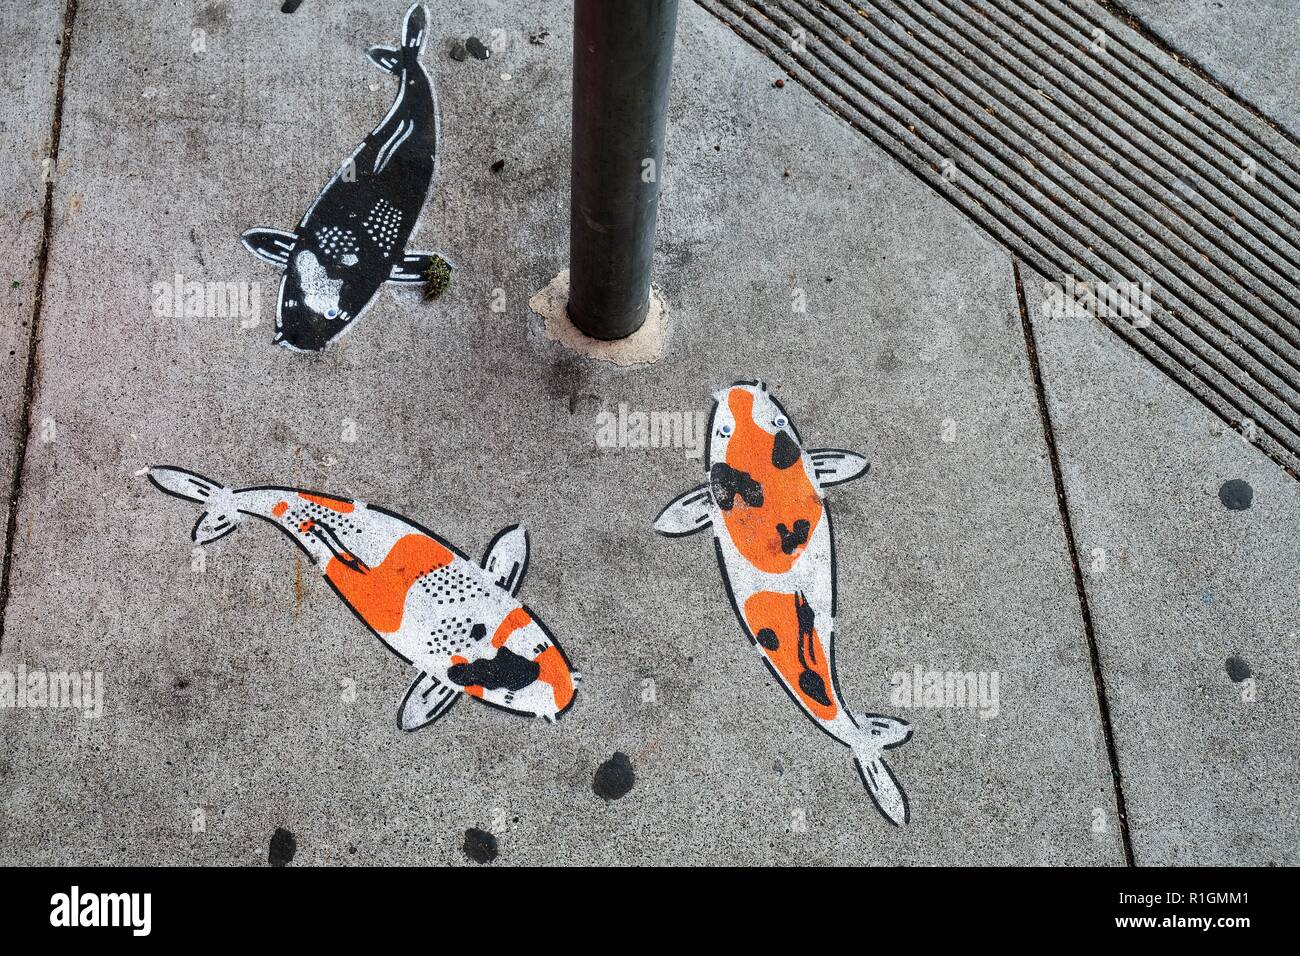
x=33 y=333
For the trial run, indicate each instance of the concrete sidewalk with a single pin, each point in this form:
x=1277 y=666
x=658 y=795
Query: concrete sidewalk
x=1142 y=624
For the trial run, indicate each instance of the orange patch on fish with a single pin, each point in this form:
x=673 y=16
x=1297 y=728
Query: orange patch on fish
x=788 y=496
x=379 y=594
x=513 y=621
x=791 y=653
x=555 y=673
x=333 y=504
x=280 y=508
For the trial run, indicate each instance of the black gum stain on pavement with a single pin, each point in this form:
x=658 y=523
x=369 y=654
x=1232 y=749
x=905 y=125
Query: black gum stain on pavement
x=289 y=6
x=480 y=846
x=614 y=778
x=1236 y=494
x=283 y=847
x=1238 y=669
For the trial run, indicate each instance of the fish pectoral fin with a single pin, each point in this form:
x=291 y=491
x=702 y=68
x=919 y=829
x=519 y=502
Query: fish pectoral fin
x=427 y=700
x=386 y=58
x=420 y=267
x=686 y=514
x=506 y=558
x=270 y=245
x=833 y=466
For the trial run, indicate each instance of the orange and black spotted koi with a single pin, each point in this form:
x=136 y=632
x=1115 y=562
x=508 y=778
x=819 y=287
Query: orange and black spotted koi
x=764 y=500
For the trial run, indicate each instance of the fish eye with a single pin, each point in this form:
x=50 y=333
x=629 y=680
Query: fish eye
x=725 y=429
x=780 y=421
x=331 y=313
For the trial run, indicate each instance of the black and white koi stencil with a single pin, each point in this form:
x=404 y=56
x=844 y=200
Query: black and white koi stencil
x=352 y=239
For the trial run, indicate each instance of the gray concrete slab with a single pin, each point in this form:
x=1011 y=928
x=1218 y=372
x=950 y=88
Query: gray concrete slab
x=227 y=691
x=1248 y=47
x=30 y=37
x=1193 y=602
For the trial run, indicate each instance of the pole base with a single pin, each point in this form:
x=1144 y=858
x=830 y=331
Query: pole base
x=642 y=347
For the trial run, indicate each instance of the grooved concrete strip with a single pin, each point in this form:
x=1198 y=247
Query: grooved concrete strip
x=1252 y=51
x=1090 y=153
x=225 y=689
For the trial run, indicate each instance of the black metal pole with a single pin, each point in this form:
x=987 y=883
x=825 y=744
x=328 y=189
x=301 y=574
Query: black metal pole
x=622 y=62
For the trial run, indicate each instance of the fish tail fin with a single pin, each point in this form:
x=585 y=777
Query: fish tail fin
x=876 y=735
x=221 y=514
x=415 y=30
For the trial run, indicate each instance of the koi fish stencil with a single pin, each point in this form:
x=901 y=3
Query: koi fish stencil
x=457 y=622
x=772 y=532
x=352 y=239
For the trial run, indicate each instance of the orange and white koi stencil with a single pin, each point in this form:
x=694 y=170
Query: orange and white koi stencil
x=456 y=621
x=764 y=500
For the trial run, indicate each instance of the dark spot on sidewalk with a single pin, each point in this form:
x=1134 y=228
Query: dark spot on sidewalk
x=477 y=49
x=1237 y=668
x=499 y=165
x=480 y=846
x=614 y=778
x=1236 y=494
x=283 y=847
x=289 y=6
x=458 y=52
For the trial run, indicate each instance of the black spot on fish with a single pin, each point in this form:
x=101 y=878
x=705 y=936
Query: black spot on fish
x=506 y=669
x=1237 y=668
x=477 y=632
x=792 y=539
x=727 y=482
x=785 y=452
x=614 y=778
x=767 y=638
x=814 y=688
x=1236 y=494
x=480 y=846
x=283 y=847
x=805 y=614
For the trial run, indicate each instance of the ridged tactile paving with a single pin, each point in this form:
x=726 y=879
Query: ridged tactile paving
x=1091 y=154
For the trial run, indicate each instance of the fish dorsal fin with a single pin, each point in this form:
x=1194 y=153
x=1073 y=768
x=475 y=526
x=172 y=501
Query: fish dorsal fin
x=386 y=58
x=686 y=514
x=507 y=558
x=426 y=701
x=832 y=466
x=270 y=245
